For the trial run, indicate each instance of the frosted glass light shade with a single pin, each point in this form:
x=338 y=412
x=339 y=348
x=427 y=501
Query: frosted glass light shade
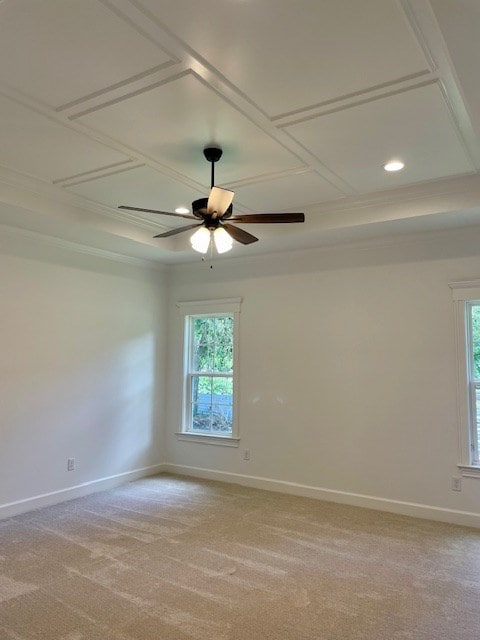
x=223 y=240
x=200 y=240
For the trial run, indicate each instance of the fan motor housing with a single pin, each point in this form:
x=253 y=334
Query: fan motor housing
x=199 y=209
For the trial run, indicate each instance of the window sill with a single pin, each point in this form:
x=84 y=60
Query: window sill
x=469 y=470
x=206 y=438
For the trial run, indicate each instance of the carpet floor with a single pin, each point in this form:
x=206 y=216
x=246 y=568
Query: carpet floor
x=180 y=559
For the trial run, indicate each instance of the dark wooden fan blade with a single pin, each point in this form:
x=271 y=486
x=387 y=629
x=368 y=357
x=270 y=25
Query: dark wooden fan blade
x=262 y=218
x=163 y=213
x=239 y=234
x=173 y=232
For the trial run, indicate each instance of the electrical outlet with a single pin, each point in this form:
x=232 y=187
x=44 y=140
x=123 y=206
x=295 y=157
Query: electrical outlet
x=456 y=483
x=246 y=454
x=70 y=464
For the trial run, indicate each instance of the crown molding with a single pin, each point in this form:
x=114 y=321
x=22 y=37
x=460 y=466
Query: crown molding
x=77 y=247
x=56 y=193
x=459 y=185
x=299 y=260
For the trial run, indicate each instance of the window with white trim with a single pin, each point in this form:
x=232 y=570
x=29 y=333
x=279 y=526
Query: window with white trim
x=466 y=296
x=210 y=370
x=472 y=320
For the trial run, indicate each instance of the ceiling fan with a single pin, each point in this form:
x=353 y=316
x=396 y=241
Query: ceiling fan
x=215 y=213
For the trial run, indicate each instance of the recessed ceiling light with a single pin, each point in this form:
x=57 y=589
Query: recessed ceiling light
x=182 y=210
x=394 y=165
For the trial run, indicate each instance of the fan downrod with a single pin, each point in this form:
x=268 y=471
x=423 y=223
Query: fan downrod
x=212 y=154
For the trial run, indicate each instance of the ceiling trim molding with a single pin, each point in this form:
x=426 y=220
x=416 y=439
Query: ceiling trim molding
x=350 y=104
x=131 y=94
x=418 y=33
x=94 y=172
x=118 y=85
x=267 y=177
x=77 y=247
x=138 y=28
x=353 y=99
x=98 y=175
x=117 y=92
x=423 y=21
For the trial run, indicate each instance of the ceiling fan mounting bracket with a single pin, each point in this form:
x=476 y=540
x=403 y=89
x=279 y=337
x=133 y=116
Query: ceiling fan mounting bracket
x=212 y=154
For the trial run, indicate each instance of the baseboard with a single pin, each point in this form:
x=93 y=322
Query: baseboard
x=101 y=484
x=416 y=510
x=412 y=509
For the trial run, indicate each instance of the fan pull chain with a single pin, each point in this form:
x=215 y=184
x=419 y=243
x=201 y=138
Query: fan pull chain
x=204 y=258
x=211 y=243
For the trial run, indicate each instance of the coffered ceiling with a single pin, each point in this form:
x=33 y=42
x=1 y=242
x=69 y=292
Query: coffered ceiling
x=109 y=102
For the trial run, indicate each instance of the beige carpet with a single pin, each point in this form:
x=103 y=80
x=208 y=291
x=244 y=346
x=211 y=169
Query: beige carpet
x=174 y=558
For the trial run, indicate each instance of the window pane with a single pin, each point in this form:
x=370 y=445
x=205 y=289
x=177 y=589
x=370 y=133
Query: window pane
x=476 y=341
x=203 y=344
x=201 y=417
x=223 y=345
x=222 y=418
x=202 y=389
x=222 y=390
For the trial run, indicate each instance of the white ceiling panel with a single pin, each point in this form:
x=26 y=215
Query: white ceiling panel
x=289 y=55
x=414 y=126
x=58 y=51
x=172 y=124
x=34 y=144
x=287 y=192
x=139 y=187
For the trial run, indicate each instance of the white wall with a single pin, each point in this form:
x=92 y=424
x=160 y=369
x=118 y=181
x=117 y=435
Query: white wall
x=81 y=370
x=348 y=371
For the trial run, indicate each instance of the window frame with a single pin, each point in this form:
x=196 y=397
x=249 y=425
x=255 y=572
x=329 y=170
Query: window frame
x=189 y=311
x=465 y=295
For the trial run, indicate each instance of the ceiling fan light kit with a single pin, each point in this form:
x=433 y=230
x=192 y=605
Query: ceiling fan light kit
x=213 y=212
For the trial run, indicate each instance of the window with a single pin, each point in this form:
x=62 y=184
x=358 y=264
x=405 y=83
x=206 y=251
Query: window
x=210 y=371
x=466 y=297
x=473 y=374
